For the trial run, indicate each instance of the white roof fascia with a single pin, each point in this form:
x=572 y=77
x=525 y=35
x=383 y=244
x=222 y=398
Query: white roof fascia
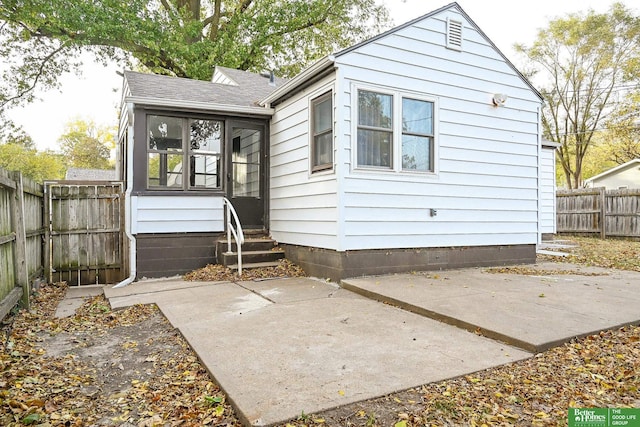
x=209 y=106
x=301 y=78
x=613 y=170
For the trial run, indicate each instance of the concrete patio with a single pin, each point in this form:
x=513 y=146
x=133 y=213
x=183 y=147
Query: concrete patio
x=286 y=346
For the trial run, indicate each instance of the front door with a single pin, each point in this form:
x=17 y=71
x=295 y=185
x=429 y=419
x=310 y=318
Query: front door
x=246 y=177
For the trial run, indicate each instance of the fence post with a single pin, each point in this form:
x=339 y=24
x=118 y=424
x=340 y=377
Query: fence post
x=46 y=187
x=20 y=253
x=603 y=212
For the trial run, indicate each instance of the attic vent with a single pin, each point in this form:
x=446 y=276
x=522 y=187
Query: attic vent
x=454 y=34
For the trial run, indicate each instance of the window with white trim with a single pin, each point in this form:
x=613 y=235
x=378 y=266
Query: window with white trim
x=395 y=132
x=375 y=129
x=322 y=132
x=417 y=135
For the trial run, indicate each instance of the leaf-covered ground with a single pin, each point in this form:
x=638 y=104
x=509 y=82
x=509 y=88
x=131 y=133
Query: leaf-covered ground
x=131 y=368
x=102 y=368
x=217 y=272
x=607 y=253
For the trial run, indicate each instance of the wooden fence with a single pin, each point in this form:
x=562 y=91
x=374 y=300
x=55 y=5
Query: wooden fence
x=613 y=213
x=66 y=231
x=21 y=242
x=85 y=231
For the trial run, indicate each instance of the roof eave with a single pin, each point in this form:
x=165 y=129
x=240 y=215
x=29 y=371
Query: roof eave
x=305 y=75
x=504 y=57
x=550 y=144
x=208 y=106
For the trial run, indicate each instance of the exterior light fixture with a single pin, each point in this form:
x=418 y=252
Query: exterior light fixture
x=499 y=99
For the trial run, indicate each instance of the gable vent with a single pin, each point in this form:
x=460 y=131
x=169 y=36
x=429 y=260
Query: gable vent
x=454 y=34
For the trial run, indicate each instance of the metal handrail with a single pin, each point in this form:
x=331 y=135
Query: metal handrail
x=237 y=234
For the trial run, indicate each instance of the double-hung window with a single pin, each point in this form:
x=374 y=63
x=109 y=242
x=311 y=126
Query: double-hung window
x=322 y=132
x=395 y=132
x=375 y=129
x=183 y=153
x=417 y=135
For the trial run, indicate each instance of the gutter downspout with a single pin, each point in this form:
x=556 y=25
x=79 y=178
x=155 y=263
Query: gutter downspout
x=127 y=203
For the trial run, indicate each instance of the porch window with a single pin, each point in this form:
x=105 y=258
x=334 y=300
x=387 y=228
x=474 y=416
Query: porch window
x=322 y=132
x=165 y=152
x=375 y=129
x=181 y=147
x=417 y=135
x=204 y=153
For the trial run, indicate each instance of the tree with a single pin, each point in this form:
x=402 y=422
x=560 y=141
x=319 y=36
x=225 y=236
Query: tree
x=597 y=160
x=587 y=61
x=34 y=164
x=10 y=133
x=41 y=39
x=85 y=145
x=624 y=131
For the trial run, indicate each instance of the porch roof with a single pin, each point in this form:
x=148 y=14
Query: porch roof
x=158 y=90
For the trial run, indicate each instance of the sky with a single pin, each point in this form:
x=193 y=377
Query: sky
x=96 y=94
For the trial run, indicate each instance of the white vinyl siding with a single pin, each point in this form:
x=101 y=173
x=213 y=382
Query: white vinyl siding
x=484 y=188
x=303 y=205
x=177 y=214
x=624 y=176
x=547 y=191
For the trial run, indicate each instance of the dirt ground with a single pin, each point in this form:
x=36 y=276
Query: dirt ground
x=102 y=368
x=131 y=368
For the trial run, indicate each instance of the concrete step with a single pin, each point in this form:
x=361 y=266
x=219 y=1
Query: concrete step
x=253 y=265
x=250 y=244
x=274 y=255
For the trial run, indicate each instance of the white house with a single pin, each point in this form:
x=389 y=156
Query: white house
x=417 y=149
x=623 y=176
x=548 y=188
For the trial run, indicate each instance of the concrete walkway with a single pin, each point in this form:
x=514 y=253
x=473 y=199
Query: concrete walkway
x=286 y=346
x=532 y=312
x=75 y=297
x=282 y=347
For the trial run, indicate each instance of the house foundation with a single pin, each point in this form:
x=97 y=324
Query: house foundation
x=171 y=254
x=336 y=265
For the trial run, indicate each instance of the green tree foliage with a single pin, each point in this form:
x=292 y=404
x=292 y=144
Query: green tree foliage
x=37 y=165
x=85 y=145
x=40 y=39
x=586 y=61
x=18 y=153
x=10 y=133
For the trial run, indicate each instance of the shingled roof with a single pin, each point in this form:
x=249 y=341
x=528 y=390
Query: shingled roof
x=82 y=174
x=250 y=88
